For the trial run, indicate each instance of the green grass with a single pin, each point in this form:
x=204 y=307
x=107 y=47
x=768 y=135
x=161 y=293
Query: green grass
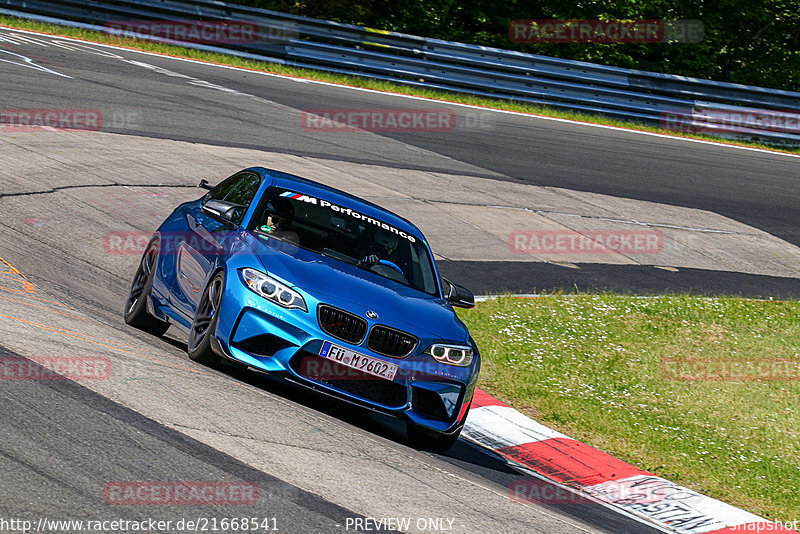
x=178 y=51
x=589 y=365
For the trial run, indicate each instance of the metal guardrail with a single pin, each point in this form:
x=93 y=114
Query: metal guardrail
x=717 y=108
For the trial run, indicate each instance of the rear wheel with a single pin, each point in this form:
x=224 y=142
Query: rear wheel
x=205 y=322
x=136 y=313
x=427 y=439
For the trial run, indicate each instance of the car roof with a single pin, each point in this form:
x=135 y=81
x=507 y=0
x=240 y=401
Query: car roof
x=336 y=196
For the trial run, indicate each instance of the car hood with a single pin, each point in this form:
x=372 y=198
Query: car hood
x=346 y=286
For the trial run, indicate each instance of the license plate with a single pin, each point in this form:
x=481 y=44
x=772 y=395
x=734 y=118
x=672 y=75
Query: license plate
x=362 y=362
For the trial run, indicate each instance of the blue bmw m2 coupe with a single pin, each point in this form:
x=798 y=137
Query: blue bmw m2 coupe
x=286 y=275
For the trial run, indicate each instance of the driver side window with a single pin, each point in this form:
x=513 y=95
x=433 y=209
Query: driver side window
x=239 y=189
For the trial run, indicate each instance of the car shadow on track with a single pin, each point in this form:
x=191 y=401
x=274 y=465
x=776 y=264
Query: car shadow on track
x=480 y=463
x=365 y=419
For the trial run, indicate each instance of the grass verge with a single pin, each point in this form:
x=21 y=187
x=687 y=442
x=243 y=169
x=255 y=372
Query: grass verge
x=355 y=81
x=591 y=366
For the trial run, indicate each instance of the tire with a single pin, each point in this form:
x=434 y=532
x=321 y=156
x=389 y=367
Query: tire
x=430 y=440
x=205 y=322
x=136 y=313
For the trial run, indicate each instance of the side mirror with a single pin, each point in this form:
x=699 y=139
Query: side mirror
x=225 y=212
x=205 y=185
x=458 y=295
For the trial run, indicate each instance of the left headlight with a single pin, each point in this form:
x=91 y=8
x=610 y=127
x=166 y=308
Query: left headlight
x=458 y=355
x=272 y=290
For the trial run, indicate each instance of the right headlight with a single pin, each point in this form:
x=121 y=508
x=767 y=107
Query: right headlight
x=458 y=355
x=272 y=290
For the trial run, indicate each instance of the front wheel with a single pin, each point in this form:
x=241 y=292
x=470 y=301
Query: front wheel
x=136 y=313
x=205 y=322
x=427 y=439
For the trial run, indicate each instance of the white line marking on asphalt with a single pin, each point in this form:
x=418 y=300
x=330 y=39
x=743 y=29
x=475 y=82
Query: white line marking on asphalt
x=22 y=39
x=197 y=82
x=29 y=63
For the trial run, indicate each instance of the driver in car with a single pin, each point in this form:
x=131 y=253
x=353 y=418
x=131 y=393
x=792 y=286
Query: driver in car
x=278 y=216
x=384 y=248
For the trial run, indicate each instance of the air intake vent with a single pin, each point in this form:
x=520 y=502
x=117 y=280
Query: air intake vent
x=341 y=324
x=391 y=342
x=263 y=346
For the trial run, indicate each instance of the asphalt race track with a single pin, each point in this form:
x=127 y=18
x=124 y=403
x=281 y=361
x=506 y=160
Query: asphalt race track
x=145 y=95
x=319 y=467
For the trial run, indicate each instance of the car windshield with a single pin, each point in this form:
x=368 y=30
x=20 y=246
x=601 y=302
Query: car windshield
x=347 y=235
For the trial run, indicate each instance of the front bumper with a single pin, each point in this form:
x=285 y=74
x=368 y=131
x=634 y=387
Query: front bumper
x=273 y=339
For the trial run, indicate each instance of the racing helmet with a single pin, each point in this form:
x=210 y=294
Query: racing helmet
x=386 y=240
x=279 y=212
